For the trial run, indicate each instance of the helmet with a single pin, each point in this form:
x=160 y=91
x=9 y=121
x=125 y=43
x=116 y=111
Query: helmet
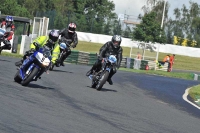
x=72 y=27
x=63 y=45
x=116 y=41
x=9 y=20
x=53 y=36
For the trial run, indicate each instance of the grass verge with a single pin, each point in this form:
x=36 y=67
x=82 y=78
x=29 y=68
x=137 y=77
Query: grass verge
x=194 y=92
x=181 y=75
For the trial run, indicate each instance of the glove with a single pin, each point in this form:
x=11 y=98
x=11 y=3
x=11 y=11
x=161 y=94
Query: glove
x=36 y=45
x=100 y=58
x=31 y=51
x=73 y=46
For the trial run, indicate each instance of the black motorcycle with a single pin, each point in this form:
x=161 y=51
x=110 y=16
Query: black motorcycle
x=100 y=76
x=64 y=49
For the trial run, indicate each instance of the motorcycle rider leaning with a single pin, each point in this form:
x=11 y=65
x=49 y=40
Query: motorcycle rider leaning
x=9 y=27
x=109 y=48
x=69 y=36
x=57 y=50
x=50 y=41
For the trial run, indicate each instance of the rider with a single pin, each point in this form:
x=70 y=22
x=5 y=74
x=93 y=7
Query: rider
x=50 y=41
x=9 y=27
x=68 y=35
x=57 y=50
x=109 y=48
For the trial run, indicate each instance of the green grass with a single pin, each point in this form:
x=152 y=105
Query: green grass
x=181 y=63
x=194 y=92
x=181 y=75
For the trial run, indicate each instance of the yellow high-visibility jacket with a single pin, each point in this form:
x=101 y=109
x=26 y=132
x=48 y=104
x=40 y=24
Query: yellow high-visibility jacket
x=41 y=40
x=56 y=52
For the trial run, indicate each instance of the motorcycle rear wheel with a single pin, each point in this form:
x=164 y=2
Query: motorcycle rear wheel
x=102 y=81
x=30 y=77
x=51 y=67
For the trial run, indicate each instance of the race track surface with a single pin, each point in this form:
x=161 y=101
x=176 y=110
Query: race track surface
x=63 y=102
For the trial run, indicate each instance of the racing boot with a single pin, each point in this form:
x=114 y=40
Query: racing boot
x=62 y=63
x=109 y=78
x=110 y=81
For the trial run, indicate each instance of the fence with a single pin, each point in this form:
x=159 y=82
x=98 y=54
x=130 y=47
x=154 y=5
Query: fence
x=86 y=58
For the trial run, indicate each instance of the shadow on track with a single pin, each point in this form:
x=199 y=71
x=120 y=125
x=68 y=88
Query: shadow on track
x=39 y=86
x=61 y=71
x=103 y=89
x=5 y=60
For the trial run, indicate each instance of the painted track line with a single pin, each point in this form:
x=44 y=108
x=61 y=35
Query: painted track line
x=185 y=98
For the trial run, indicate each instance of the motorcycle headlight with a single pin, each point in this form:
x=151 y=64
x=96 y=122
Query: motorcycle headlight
x=45 y=63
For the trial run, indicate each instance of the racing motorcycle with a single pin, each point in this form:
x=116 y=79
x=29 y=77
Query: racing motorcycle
x=39 y=61
x=2 y=34
x=64 y=49
x=99 y=77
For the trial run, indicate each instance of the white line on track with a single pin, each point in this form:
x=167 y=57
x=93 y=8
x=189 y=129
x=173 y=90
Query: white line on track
x=185 y=98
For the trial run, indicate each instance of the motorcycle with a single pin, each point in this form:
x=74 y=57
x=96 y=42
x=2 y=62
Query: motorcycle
x=99 y=77
x=39 y=61
x=64 y=46
x=2 y=34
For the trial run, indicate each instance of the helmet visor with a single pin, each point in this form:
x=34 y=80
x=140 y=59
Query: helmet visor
x=71 y=29
x=116 y=43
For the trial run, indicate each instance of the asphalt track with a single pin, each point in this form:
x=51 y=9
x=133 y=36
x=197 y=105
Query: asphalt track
x=63 y=102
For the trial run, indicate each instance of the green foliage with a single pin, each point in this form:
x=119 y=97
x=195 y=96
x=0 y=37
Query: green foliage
x=149 y=30
x=13 y=8
x=97 y=16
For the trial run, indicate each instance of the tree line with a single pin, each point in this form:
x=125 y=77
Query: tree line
x=98 y=16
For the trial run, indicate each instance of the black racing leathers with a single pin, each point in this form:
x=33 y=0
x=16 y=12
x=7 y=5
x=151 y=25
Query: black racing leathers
x=68 y=38
x=106 y=50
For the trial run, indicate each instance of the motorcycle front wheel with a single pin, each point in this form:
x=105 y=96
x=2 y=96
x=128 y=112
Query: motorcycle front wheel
x=30 y=77
x=102 y=81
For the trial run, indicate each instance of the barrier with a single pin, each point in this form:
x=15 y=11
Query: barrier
x=86 y=58
x=196 y=76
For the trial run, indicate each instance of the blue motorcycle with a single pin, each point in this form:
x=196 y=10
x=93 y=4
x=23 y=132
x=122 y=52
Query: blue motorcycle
x=33 y=66
x=99 y=77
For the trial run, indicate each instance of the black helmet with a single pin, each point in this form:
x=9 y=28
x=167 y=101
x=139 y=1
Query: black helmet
x=53 y=36
x=71 y=27
x=116 y=41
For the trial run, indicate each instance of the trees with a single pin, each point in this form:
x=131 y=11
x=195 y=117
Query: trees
x=13 y=8
x=149 y=30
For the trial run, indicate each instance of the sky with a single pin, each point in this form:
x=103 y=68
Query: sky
x=133 y=7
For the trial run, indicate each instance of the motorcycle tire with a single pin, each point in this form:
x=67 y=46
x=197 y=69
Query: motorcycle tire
x=51 y=67
x=17 y=78
x=30 y=77
x=102 y=81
